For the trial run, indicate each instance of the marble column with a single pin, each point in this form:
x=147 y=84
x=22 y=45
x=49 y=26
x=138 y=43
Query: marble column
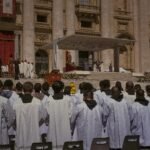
x=58 y=28
x=28 y=31
x=106 y=31
x=70 y=24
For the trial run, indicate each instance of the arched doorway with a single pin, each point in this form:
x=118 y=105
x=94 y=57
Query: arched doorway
x=126 y=52
x=41 y=62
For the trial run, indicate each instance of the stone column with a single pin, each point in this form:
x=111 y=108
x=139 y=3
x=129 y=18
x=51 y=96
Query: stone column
x=16 y=45
x=28 y=31
x=106 y=31
x=58 y=27
x=70 y=24
x=137 y=59
x=144 y=35
x=116 y=59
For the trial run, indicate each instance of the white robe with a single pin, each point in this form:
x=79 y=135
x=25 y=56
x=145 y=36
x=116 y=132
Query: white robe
x=59 y=129
x=141 y=122
x=88 y=123
x=3 y=125
x=118 y=122
x=28 y=116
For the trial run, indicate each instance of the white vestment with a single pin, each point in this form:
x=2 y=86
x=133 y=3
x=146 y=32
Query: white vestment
x=59 y=129
x=102 y=99
x=129 y=98
x=21 y=68
x=77 y=99
x=3 y=124
x=118 y=122
x=25 y=69
x=28 y=116
x=141 y=122
x=87 y=122
x=14 y=98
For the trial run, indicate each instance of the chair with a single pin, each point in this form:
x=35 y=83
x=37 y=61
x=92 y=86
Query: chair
x=73 y=145
x=11 y=145
x=42 y=146
x=131 y=142
x=100 y=144
x=7 y=147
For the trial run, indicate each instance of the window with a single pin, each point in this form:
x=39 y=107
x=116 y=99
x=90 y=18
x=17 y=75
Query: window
x=42 y=18
x=86 y=24
x=84 y=2
x=41 y=65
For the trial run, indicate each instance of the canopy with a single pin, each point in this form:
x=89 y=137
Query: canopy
x=88 y=43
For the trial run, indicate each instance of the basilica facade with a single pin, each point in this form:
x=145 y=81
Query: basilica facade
x=27 y=25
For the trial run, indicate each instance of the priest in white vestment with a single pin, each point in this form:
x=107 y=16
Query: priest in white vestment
x=4 y=139
x=147 y=94
x=59 y=110
x=119 y=119
x=25 y=69
x=29 y=113
x=88 y=118
x=21 y=69
x=129 y=95
x=141 y=118
x=12 y=99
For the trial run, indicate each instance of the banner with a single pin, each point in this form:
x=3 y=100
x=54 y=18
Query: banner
x=7 y=8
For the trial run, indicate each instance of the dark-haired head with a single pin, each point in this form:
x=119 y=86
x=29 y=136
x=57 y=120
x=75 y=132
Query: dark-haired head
x=1 y=84
x=137 y=87
x=119 y=85
x=104 y=84
x=140 y=94
x=88 y=95
x=37 y=87
x=58 y=86
x=45 y=86
x=27 y=87
x=67 y=90
x=19 y=86
x=8 y=84
x=147 y=88
x=88 y=87
x=116 y=93
x=130 y=88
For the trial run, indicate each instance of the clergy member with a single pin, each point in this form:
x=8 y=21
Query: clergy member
x=58 y=108
x=141 y=118
x=29 y=113
x=119 y=119
x=4 y=139
x=87 y=119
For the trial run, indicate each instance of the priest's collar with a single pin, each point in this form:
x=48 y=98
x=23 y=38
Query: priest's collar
x=107 y=92
x=90 y=103
x=27 y=98
x=58 y=96
x=143 y=101
x=118 y=99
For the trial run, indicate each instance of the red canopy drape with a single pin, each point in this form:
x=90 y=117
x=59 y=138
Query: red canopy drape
x=6 y=47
